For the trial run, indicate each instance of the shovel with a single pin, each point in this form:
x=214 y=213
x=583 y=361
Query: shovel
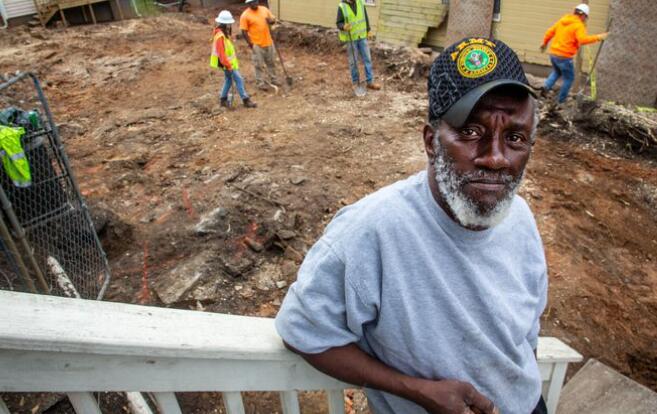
x=232 y=103
x=288 y=78
x=591 y=75
x=359 y=89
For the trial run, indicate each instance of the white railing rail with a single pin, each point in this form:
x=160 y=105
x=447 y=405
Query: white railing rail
x=74 y=346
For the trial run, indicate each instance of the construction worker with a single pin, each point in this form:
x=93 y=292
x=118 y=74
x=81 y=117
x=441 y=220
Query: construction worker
x=354 y=27
x=254 y=23
x=567 y=35
x=223 y=55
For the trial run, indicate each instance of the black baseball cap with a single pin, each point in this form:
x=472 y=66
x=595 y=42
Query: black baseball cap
x=466 y=71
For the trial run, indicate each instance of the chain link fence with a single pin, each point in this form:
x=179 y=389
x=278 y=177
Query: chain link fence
x=47 y=239
x=469 y=18
x=626 y=66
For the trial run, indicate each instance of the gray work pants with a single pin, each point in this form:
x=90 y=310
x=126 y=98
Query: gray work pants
x=264 y=60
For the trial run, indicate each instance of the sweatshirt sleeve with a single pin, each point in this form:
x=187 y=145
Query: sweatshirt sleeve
x=584 y=39
x=221 y=51
x=327 y=306
x=549 y=34
x=367 y=19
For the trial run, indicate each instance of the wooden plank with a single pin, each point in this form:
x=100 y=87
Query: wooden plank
x=427 y=3
x=405 y=27
x=335 y=401
x=83 y=403
x=414 y=18
x=93 y=15
x=138 y=404
x=32 y=371
x=406 y=9
x=3 y=407
x=45 y=323
x=545 y=369
x=290 y=402
x=167 y=402
x=554 y=389
x=61 y=14
x=551 y=349
x=233 y=402
x=118 y=6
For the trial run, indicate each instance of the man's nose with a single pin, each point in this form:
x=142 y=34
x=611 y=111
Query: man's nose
x=492 y=154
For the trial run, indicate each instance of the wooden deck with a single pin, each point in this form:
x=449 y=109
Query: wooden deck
x=49 y=8
x=80 y=346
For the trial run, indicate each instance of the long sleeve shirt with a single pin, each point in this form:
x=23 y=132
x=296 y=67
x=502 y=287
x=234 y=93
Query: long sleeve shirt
x=340 y=21
x=567 y=35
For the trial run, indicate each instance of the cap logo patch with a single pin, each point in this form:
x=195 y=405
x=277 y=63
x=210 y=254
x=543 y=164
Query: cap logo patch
x=475 y=58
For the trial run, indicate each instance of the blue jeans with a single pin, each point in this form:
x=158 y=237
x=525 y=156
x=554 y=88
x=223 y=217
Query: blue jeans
x=230 y=77
x=359 y=48
x=561 y=67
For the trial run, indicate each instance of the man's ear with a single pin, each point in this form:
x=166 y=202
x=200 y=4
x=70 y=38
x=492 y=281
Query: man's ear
x=428 y=141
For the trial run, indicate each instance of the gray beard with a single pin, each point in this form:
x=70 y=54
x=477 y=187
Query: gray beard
x=468 y=212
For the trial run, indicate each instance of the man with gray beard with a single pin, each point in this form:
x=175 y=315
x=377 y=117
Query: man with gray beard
x=429 y=292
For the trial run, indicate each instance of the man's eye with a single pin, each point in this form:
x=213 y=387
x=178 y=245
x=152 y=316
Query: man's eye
x=468 y=132
x=516 y=137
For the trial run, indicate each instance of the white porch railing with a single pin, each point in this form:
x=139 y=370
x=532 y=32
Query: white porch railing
x=74 y=346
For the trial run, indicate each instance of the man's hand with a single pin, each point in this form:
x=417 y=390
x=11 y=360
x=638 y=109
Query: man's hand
x=346 y=27
x=543 y=47
x=370 y=36
x=451 y=397
x=604 y=35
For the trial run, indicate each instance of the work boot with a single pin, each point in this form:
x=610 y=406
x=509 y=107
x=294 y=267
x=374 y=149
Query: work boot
x=373 y=86
x=224 y=103
x=249 y=103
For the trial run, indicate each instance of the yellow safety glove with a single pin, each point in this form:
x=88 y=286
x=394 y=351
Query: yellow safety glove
x=346 y=27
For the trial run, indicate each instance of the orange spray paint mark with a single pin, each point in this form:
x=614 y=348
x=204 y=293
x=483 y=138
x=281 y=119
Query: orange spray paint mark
x=187 y=203
x=145 y=293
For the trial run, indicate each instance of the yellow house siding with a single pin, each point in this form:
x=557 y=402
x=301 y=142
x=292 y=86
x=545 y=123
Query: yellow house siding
x=407 y=21
x=437 y=36
x=523 y=24
x=317 y=12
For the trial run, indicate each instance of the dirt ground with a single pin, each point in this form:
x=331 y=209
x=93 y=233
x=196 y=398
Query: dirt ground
x=243 y=194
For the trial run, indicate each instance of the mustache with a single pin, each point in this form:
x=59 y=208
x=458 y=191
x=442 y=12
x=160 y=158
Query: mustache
x=487 y=176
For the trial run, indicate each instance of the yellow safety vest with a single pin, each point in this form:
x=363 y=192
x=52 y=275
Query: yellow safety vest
x=13 y=157
x=229 y=49
x=358 y=23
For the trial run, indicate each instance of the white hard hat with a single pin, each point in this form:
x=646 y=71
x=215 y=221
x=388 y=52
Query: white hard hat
x=225 y=17
x=584 y=8
x=249 y=1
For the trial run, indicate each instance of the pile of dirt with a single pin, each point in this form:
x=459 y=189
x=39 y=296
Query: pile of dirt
x=635 y=130
x=630 y=129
